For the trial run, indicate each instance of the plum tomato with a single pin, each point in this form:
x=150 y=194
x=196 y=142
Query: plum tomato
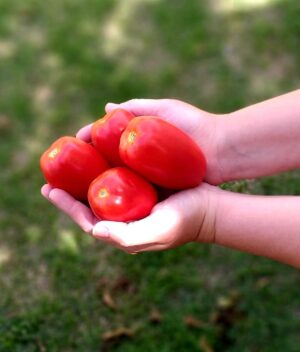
x=71 y=164
x=106 y=133
x=162 y=153
x=119 y=194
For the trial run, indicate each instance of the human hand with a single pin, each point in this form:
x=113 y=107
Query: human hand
x=207 y=213
x=184 y=217
x=202 y=126
x=187 y=216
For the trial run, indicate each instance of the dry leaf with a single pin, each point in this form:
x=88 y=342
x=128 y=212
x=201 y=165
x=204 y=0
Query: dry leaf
x=122 y=283
x=224 y=302
x=227 y=310
x=101 y=284
x=229 y=301
x=205 y=345
x=5 y=123
x=108 y=300
x=117 y=334
x=40 y=345
x=262 y=282
x=193 y=322
x=155 y=316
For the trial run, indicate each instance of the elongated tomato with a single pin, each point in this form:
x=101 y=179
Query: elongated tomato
x=162 y=153
x=120 y=194
x=106 y=133
x=71 y=164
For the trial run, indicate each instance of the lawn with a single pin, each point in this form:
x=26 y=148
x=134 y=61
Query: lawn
x=60 y=62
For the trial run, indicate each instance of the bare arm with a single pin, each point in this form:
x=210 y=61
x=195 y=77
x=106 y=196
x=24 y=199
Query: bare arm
x=259 y=140
x=262 y=139
x=261 y=225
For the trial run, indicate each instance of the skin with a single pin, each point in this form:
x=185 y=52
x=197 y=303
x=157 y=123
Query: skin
x=259 y=140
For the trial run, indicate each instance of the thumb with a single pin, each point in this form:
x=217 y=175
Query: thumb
x=141 y=106
x=181 y=114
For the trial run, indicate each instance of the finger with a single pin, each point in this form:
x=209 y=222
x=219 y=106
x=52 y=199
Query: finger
x=111 y=106
x=150 y=248
x=45 y=190
x=181 y=114
x=158 y=228
x=102 y=233
x=77 y=211
x=146 y=248
x=140 y=106
x=166 y=242
x=85 y=133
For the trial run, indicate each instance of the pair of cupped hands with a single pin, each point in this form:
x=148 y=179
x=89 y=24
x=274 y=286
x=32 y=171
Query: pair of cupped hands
x=186 y=216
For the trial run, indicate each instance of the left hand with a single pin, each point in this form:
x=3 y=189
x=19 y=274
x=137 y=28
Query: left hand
x=187 y=216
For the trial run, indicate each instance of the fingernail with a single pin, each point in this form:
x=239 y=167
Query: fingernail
x=111 y=106
x=45 y=190
x=100 y=231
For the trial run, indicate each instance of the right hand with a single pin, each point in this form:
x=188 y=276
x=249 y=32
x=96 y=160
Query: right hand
x=202 y=126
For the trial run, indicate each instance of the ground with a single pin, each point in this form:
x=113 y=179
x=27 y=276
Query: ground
x=60 y=62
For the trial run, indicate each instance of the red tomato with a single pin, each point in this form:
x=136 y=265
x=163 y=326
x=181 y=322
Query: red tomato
x=162 y=153
x=106 y=134
x=120 y=194
x=71 y=164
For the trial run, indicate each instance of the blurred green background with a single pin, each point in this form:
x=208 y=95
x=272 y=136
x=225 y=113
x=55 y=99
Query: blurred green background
x=60 y=62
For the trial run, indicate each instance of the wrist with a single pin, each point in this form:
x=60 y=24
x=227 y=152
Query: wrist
x=236 y=152
x=207 y=214
x=219 y=154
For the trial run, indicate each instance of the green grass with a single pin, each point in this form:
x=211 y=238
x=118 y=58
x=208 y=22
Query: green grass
x=60 y=62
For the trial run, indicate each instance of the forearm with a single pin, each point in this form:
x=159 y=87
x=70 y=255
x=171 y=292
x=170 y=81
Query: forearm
x=261 y=225
x=262 y=139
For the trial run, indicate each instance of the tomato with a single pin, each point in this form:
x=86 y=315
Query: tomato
x=71 y=164
x=162 y=153
x=106 y=134
x=120 y=194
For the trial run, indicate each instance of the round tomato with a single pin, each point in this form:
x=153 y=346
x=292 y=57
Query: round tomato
x=162 y=153
x=71 y=164
x=120 y=194
x=106 y=134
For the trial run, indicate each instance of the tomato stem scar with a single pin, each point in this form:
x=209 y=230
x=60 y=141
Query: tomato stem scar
x=103 y=193
x=131 y=137
x=52 y=154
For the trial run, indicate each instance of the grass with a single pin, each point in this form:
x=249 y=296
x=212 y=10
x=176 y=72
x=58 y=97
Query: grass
x=59 y=64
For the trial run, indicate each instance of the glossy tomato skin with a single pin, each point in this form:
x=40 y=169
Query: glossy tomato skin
x=106 y=133
x=119 y=194
x=71 y=164
x=162 y=153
